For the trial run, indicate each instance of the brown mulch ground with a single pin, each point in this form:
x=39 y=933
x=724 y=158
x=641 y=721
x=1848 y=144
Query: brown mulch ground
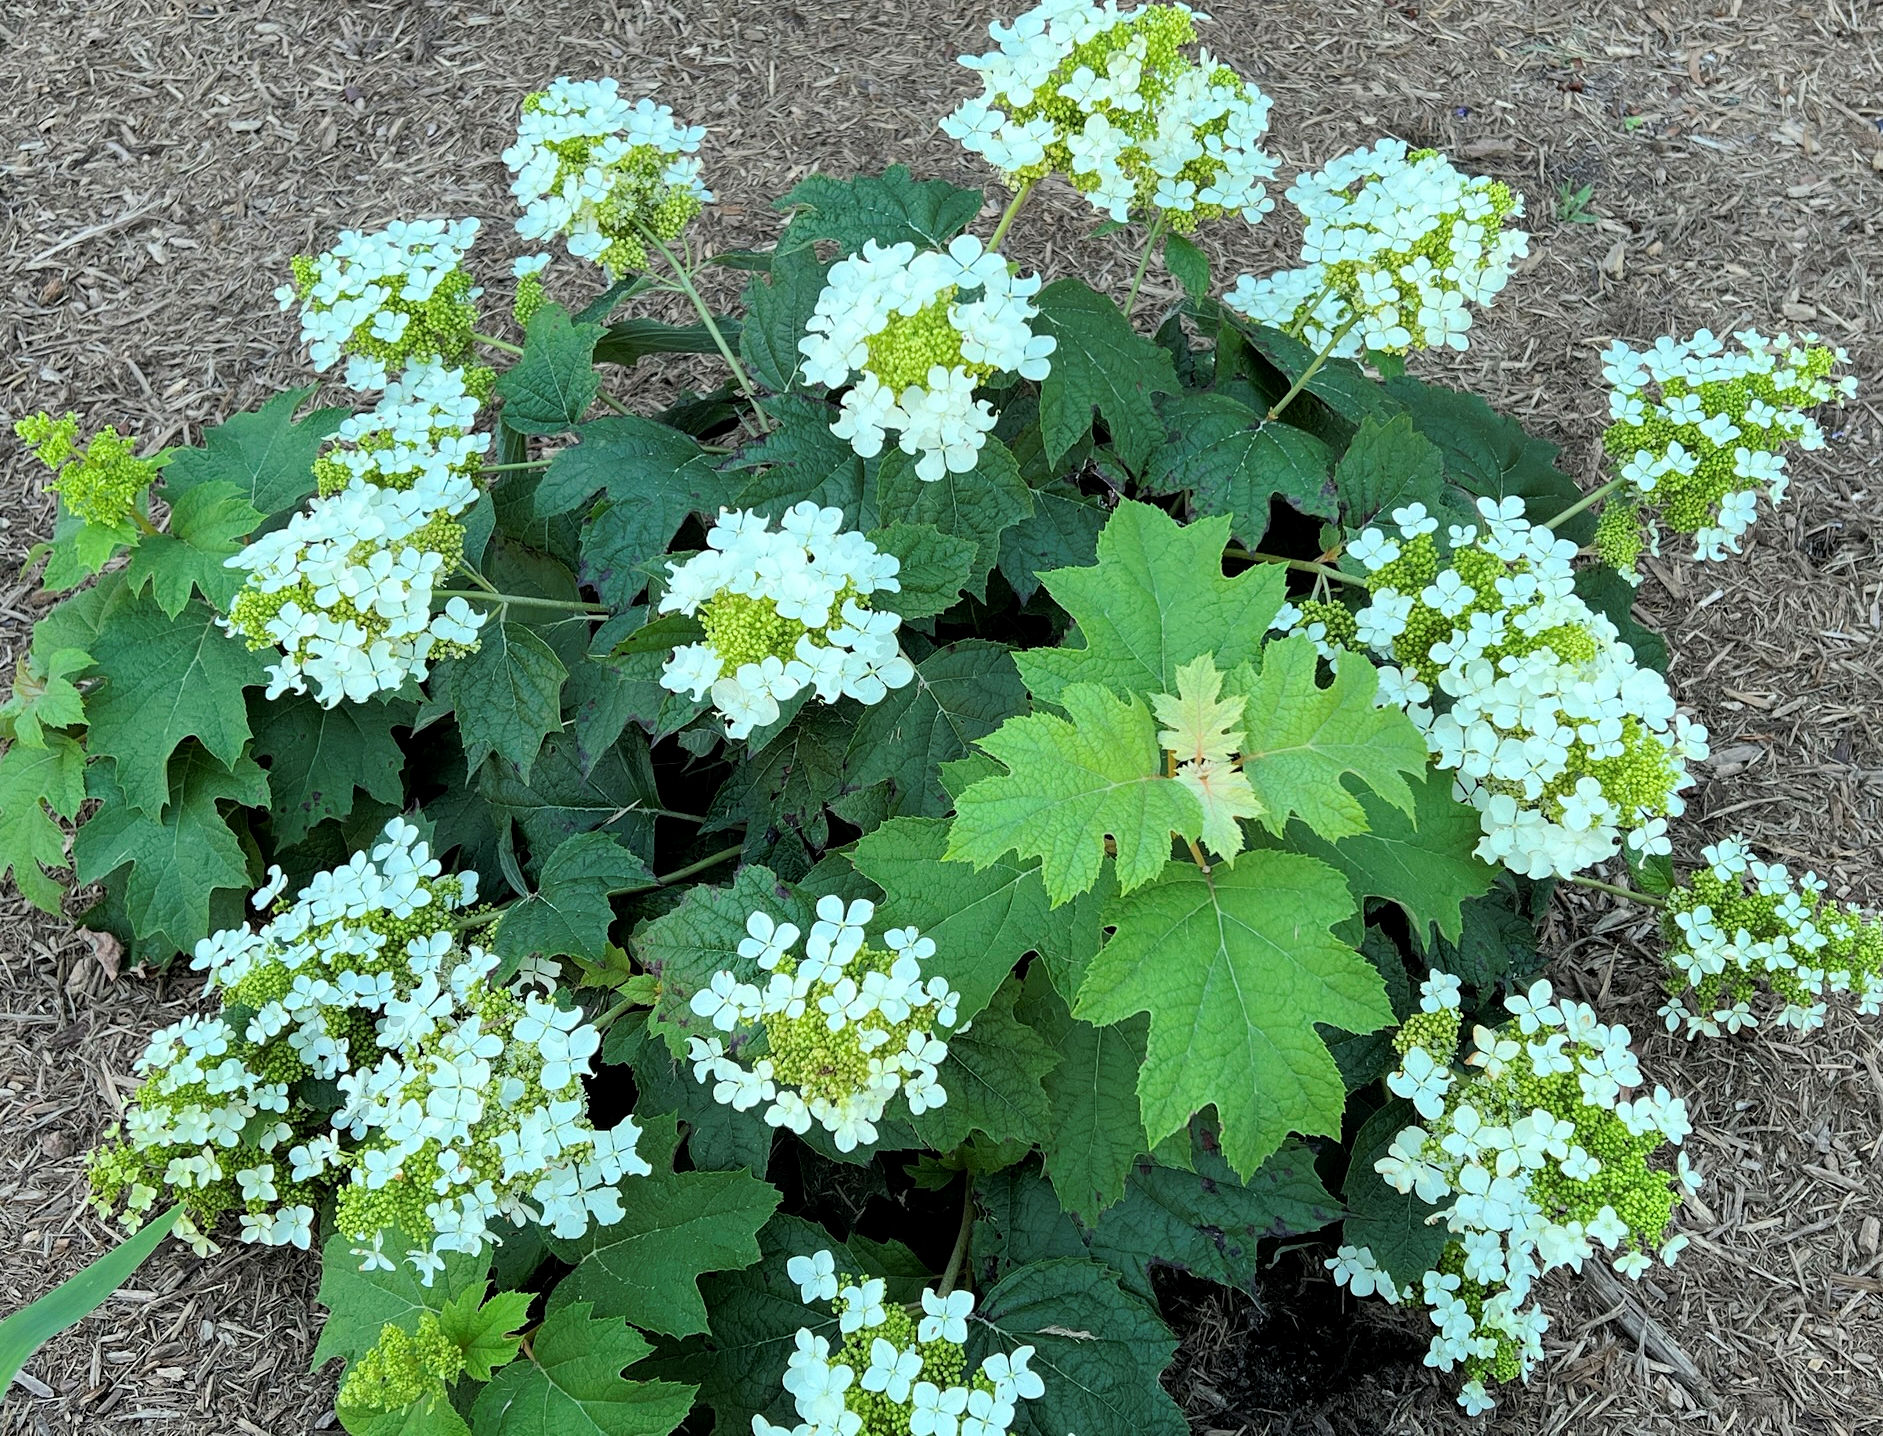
x=159 y=163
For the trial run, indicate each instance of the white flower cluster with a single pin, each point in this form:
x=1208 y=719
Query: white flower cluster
x=783 y=611
x=1738 y=925
x=893 y=1374
x=1559 y=739
x=385 y=299
x=462 y=1102
x=1697 y=427
x=903 y=326
x=344 y=589
x=418 y=438
x=1398 y=244
x=604 y=173
x=1537 y=1159
x=846 y=1027
x=1105 y=97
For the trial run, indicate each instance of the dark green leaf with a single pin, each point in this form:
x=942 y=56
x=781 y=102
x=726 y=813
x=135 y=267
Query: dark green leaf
x=802 y=460
x=508 y=694
x=628 y=341
x=1387 y=466
x=890 y=208
x=1101 y=362
x=570 y=1384
x=1234 y=462
x=359 y=1302
x=616 y=795
x=569 y=913
x=207 y=524
x=1394 y=1227
x=266 y=455
x=777 y=309
x=992 y=1076
x=550 y=387
x=935 y=569
x=318 y=756
x=960 y=693
x=1062 y=532
x=1190 y=265
x=1608 y=593
x=976 y=506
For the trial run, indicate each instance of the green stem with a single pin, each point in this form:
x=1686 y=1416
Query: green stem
x=144 y=525
x=613 y=403
x=521 y=600
x=739 y=375
x=1144 y=263
x=512 y=468
x=490 y=915
x=1615 y=890
x=1009 y=214
x=1300 y=565
x=504 y=344
x=1312 y=369
x=958 y=1257
x=1586 y=501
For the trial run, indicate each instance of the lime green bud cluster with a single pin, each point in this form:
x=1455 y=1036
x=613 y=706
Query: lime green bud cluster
x=903 y=351
x=401 y=1367
x=530 y=297
x=1618 y=537
x=1329 y=626
x=1436 y=1032
x=1740 y=929
x=103 y=482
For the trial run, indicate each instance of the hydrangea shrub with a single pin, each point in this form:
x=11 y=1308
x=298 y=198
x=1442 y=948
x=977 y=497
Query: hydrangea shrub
x=808 y=904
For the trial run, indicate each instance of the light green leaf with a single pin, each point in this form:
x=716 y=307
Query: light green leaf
x=432 y=1414
x=1098 y=1351
x=359 y=1302
x=675 y=1227
x=569 y=914
x=571 y=1385
x=508 y=695
x=976 y=506
x=179 y=860
x=78 y=1296
x=1428 y=869
x=1070 y=784
x=32 y=780
x=317 y=757
x=992 y=1076
x=960 y=694
x=890 y=208
x=1095 y=1135
x=1155 y=599
x=1301 y=739
x=44 y=695
x=777 y=309
x=207 y=525
x=266 y=455
x=551 y=385
x=1395 y=1227
x=78 y=549
x=480 y=1328
x=167 y=678
x=1101 y=362
x=1234 y=462
x=1388 y=465
x=1235 y=967
x=935 y=569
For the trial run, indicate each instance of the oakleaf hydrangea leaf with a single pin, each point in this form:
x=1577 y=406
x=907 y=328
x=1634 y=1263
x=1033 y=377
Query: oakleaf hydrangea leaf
x=570 y=1384
x=1070 y=784
x=976 y=506
x=675 y=1227
x=553 y=382
x=319 y=757
x=44 y=695
x=890 y=208
x=1302 y=739
x=167 y=678
x=1389 y=465
x=1235 y=967
x=1233 y=461
x=802 y=460
x=207 y=525
x=1101 y=362
x=568 y=915
x=776 y=310
x=1202 y=734
x=935 y=569
x=992 y=1076
x=508 y=695
x=31 y=781
x=1392 y=1224
x=359 y=1302
x=480 y=1329
x=624 y=456
x=266 y=456
x=1155 y=599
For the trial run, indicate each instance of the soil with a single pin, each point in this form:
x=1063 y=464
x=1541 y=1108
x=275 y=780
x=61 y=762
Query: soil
x=160 y=160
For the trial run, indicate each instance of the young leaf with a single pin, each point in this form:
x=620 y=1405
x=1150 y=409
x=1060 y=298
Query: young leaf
x=777 y=309
x=1098 y=1350
x=31 y=781
x=961 y=693
x=508 y=695
x=569 y=913
x=1072 y=783
x=992 y=1076
x=675 y=1227
x=1388 y=465
x=179 y=859
x=935 y=569
x=1424 y=861
x=359 y=1302
x=480 y=1329
x=1095 y=1134
x=1395 y=1227
x=976 y=506
x=1155 y=599
x=166 y=679
x=207 y=525
x=44 y=695
x=890 y=208
x=1235 y=967
x=550 y=387
x=266 y=456
x=1300 y=739
x=1101 y=362
x=1233 y=461
x=317 y=757
x=571 y=1385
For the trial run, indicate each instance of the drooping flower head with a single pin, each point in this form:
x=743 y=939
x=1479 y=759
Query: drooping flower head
x=1740 y=932
x=784 y=610
x=1537 y=1157
x=895 y=1372
x=344 y=589
x=913 y=332
x=387 y=299
x=832 y=1036
x=1698 y=428
x=604 y=172
x=419 y=438
x=1108 y=99
x=1558 y=737
x=100 y=482
x=1397 y=246
x=460 y=1098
